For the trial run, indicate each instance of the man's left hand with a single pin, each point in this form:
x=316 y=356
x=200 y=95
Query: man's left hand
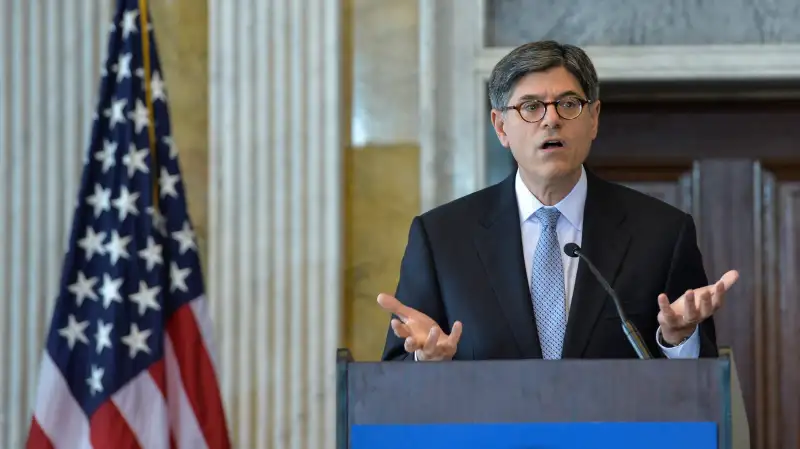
x=680 y=319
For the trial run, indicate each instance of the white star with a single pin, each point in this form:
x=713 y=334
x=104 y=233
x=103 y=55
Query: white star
x=103 y=335
x=151 y=254
x=83 y=288
x=159 y=221
x=117 y=112
x=110 y=290
x=126 y=203
x=117 y=247
x=157 y=87
x=173 y=150
x=124 y=66
x=74 y=331
x=101 y=200
x=95 y=381
x=185 y=238
x=107 y=156
x=136 y=340
x=129 y=23
x=177 y=277
x=92 y=243
x=146 y=297
x=167 y=183
x=135 y=160
x=140 y=116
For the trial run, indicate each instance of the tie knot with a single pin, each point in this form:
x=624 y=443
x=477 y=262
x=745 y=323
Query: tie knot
x=548 y=216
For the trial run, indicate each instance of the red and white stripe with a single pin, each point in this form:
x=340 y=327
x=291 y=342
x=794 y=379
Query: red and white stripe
x=175 y=404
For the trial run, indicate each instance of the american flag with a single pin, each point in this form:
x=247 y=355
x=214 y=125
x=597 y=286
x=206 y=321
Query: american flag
x=129 y=359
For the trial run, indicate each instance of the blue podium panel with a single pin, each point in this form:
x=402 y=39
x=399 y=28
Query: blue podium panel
x=602 y=435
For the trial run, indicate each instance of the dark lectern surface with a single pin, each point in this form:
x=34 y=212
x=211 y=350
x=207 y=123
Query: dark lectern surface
x=534 y=391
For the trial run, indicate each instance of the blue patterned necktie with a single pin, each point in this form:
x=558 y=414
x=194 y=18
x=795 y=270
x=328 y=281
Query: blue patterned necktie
x=547 y=286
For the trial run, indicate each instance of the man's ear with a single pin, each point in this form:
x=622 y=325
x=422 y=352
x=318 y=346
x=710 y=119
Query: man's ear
x=595 y=109
x=499 y=123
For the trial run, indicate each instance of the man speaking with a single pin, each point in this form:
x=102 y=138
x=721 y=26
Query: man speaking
x=487 y=276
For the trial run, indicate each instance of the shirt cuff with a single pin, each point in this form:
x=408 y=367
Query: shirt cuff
x=689 y=349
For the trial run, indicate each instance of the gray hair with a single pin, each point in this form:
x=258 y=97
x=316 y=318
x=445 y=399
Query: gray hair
x=538 y=57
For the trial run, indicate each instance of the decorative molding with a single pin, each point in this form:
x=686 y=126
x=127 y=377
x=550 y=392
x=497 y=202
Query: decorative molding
x=680 y=63
x=49 y=72
x=455 y=64
x=275 y=219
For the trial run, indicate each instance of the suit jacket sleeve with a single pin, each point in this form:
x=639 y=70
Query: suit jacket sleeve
x=417 y=288
x=687 y=272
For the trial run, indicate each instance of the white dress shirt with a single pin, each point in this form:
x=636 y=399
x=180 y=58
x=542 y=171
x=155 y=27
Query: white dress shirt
x=569 y=229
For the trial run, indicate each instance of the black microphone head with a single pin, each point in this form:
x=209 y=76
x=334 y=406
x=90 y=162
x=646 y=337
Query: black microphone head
x=571 y=249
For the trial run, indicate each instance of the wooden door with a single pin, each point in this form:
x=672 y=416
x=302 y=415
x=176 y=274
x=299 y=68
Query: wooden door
x=735 y=165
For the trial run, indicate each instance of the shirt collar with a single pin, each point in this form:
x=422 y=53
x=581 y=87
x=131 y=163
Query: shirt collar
x=571 y=207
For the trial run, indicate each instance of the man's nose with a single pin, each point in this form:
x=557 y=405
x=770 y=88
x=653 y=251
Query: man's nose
x=551 y=117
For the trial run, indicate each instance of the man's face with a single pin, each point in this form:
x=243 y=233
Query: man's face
x=532 y=143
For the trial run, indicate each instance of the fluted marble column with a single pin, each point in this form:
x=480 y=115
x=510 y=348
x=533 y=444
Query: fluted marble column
x=275 y=238
x=50 y=57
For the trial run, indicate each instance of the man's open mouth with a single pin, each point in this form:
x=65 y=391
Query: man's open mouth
x=550 y=144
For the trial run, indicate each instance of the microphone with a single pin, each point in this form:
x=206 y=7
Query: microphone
x=635 y=339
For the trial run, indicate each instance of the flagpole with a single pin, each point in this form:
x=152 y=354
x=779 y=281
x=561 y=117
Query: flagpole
x=148 y=98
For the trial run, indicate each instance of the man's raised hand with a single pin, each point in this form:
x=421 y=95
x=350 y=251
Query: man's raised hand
x=679 y=319
x=423 y=337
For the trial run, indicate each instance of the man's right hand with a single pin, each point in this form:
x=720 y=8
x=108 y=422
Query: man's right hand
x=423 y=337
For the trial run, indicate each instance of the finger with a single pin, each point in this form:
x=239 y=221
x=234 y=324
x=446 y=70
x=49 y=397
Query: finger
x=410 y=345
x=726 y=281
x=666 y=309
x=668 y=316
x=392 y=304
x=455 y=334
x=690 y=311
x=429 y=348
x=729 y=278
x=400 y=329
x=704 y=305
x=719 y=295
x=449 y=345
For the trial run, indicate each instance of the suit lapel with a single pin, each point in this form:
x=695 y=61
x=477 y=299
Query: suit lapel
x=605 y=242
x=499 y=244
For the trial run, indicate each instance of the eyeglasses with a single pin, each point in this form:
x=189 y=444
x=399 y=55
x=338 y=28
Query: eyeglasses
x=532 y=111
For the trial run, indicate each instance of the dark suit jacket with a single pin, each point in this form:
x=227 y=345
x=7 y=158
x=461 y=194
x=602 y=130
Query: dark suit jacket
x=464 y=261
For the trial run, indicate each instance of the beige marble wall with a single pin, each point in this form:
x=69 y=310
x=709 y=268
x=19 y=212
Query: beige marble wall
x=385 y=62
x=181 y=28
x=382 y=160
x=382 y=157
x=382 y=193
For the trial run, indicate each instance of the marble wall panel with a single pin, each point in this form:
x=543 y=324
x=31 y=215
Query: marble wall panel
x=637 y=22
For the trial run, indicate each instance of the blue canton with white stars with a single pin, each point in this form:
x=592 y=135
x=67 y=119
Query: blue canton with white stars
x=129 y=265
x=547 y=285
